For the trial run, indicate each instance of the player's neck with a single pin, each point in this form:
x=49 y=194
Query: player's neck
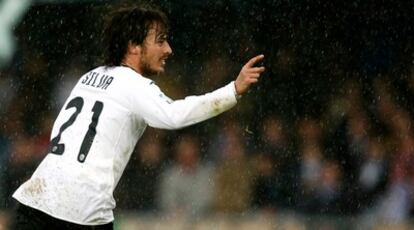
x=128 y=65
x=131 y=67
x=131 y=63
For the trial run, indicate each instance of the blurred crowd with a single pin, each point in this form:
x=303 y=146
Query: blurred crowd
x=314 y=137
x=344 y=162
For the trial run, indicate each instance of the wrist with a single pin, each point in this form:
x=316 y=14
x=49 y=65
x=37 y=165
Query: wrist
x=236 y=94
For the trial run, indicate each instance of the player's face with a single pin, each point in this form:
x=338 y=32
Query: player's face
x=155 y=51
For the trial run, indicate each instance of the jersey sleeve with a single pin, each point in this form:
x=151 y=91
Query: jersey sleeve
x=159 y=111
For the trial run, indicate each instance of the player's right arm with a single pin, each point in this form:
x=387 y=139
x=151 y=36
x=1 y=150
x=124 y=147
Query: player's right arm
x=161 y=112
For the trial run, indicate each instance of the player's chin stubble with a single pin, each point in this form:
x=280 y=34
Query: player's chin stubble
x=147 y=70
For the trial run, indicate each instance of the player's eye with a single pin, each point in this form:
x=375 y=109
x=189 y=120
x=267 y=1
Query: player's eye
x=162 y=38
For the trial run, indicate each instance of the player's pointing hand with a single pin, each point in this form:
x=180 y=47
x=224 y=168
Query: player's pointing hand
x=248 y=75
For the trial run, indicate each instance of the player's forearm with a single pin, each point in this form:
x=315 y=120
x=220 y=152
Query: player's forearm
x=194 y=109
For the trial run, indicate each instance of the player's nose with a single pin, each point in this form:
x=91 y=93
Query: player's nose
x=167 y=48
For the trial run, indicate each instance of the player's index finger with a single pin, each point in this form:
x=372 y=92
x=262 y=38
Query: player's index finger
x=253 y=61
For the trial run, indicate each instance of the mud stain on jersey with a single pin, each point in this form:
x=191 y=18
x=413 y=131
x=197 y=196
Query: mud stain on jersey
x=216 y=104
x=36 y=187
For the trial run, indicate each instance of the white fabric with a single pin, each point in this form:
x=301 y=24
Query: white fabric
x=82 y=193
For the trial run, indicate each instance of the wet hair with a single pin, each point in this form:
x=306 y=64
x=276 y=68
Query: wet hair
x=127 y=25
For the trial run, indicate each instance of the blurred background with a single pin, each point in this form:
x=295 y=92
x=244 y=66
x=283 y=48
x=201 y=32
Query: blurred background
x=324 y=141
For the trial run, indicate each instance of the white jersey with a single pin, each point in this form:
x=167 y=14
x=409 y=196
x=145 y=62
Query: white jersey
x=94 y=135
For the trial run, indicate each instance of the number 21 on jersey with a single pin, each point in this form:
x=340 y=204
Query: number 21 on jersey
x=77 y=103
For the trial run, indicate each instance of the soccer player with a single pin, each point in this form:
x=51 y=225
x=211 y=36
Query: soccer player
x=103 y=118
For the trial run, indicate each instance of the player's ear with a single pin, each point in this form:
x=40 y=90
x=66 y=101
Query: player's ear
x=134 y=48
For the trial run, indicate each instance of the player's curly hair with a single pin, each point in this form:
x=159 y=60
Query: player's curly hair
x=129 y=24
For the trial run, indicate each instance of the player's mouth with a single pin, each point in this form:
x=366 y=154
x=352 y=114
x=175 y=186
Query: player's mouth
x=163 y=61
